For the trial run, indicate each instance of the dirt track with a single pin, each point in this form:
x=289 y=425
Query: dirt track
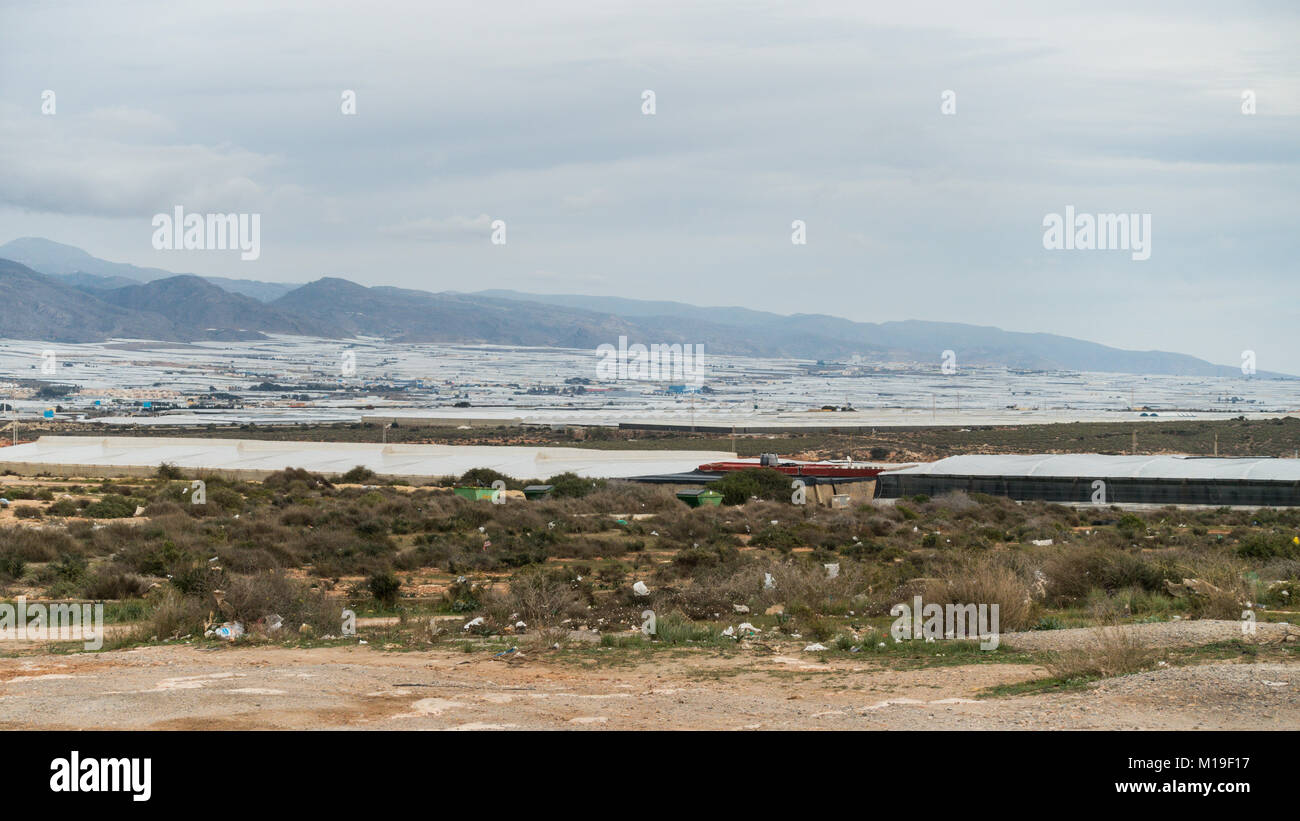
x=181 y=687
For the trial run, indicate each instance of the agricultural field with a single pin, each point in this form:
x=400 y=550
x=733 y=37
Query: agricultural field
x=611 y=604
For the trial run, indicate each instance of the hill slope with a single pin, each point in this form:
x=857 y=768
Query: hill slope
x=197 y=304
x=34 y=306
x=821 y=336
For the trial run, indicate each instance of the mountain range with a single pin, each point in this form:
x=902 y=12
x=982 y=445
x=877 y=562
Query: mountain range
x=60 y=293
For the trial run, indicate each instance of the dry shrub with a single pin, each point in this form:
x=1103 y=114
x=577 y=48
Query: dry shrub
x=689 y=525
x=800 y=584
x=1072 y=573
x=115 y=582
x=984 y=581
x=37 y=545
x=546 y=638
x=589 y=548
x=880 y=526
x=1230 y=589
x=957 y=502
x=628 y=497
x=540 y=596
x=714 y=592
x=1113 y=651
x=518 y=517
x=174 y=615
x=249 y=599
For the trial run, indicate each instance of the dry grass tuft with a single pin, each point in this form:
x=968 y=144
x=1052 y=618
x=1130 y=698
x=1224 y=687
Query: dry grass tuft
x=1114 y=651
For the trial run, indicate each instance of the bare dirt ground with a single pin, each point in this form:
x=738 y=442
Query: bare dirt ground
x=359 y=687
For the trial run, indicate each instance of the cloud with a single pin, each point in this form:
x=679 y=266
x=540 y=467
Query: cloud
x=450 y=229
x=71 y=166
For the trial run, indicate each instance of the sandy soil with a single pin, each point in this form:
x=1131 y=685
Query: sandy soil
x=359 y=687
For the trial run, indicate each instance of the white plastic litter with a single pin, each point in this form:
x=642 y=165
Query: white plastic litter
x=230 y=631
x=815 y=648
x=476 y=622
x=640 y=589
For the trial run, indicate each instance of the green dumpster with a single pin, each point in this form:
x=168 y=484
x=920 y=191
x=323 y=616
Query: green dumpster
x=538 y=491
x=700 y=497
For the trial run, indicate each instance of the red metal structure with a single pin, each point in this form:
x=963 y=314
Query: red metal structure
x=829 y=470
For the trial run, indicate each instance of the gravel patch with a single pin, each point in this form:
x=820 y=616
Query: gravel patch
x=1158 y=634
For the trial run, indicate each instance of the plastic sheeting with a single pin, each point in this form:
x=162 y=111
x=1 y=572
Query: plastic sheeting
x=134 y=454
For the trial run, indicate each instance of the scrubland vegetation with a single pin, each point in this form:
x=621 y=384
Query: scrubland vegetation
x=301 y=548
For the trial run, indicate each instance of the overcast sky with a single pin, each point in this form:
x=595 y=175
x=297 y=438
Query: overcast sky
x=766 y=113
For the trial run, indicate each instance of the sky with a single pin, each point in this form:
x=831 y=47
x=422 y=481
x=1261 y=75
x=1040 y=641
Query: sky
x=764 y=113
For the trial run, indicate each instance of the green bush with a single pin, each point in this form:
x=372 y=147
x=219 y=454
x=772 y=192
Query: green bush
x=169 y=471
x=484 y=477
x=112 y=506
x=1268 y=546
x=775 y=536
x=573 y=486
x=12 y=566
x=742 y=485
x=1131 y=526
x=63 y=507
x=384 y=586
x=358 y=475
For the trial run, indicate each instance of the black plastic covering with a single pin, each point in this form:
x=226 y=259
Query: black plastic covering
x=1126 y=490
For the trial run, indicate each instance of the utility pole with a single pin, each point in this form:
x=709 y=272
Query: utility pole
x=1216 y=443
x=1135 y=442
